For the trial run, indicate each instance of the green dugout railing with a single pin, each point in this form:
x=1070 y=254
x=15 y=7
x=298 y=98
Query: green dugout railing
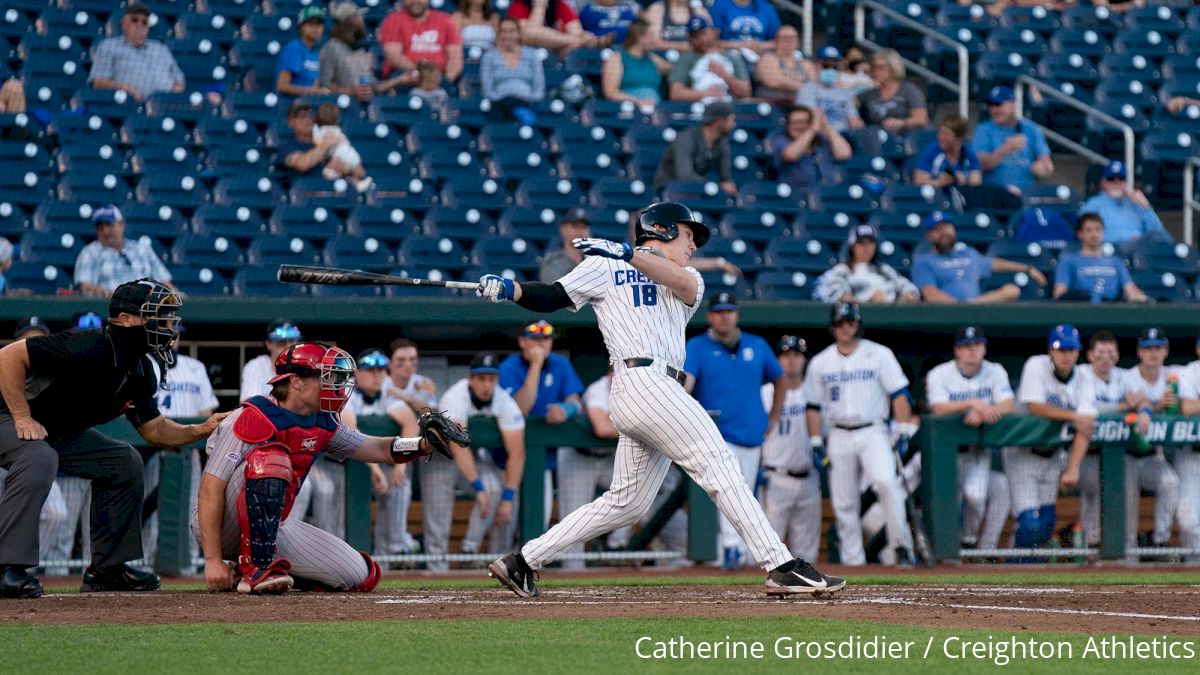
x=940 y=437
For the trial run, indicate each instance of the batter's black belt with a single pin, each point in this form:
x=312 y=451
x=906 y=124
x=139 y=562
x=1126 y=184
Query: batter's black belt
x=793 y=474
x=853 y=427
x=1044 y=453
x=590 y=452
x=641 y=362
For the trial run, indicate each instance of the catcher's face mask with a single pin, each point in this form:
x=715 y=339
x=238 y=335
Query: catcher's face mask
x=337 y=379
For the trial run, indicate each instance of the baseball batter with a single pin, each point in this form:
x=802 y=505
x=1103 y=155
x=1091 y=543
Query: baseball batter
x=852 y=386
x=978 y=390
x=643 y=296
x=792 y=497
x=259 y=456
x=1187 y=460
x=1050 y=387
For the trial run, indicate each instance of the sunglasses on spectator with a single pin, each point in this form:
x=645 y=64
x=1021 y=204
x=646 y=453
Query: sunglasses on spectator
x=373 y=360
x=540 y=329
x=285 y=333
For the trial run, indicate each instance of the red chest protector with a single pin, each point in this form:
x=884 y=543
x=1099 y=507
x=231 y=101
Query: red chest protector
x=262 y=420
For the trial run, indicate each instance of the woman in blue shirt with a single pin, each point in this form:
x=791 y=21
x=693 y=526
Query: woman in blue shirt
x=746 y=24
x=634 y=73
x=1088 y=274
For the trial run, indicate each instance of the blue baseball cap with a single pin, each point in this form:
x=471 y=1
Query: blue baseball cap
x=1152 y=337
x=1115 y=169
x=485 y=363
x=829 y=53
x=372 y=358
x=697 y=24
x=998 y=95
x=936 y=218
x=792 y=343
x=722 y=301
x=1064 y=336
x=283 y=330
x=107 y=214
x=87 y=321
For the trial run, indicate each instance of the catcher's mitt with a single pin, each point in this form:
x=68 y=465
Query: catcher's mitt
x=438 y=431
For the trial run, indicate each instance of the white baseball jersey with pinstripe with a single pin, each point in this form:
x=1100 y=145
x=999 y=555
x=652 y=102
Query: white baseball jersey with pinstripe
x=658 y=421
x=792 y=497
x=1187 y=464
x=947 y=384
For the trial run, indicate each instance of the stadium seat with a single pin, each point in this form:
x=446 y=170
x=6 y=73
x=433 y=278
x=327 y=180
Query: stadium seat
x=93 y=189
x=1164 y=286
x=1027 y=253
x=755 y=225
x=203 y=250
x=73 y=23
x=740 y=252
x=214 y=27
x=1030 y=290
x=256 y=193
x=160 y=221
x=389 y=224
x=154 y=159
x=829 y=227
x=13 y=222
x=65 y=217
x=274 y=250
x=229 y=220
x=42 y=278
x=849 y=198
x=617 y=193
x=461 y=224
x=716 y=281
x=904 y=229
x=915 y=198
x=366 y=253
x=785 y=285
x=183 y=190
x=1165 y=256
x=113 y=105
x=507 y=253
x=977 y=229
x=77 y=124
x=312 y=223
x=80 y=160
x=775 y=196
x=51 y=248
x=143 y=130
x=260 y=281
x=435 y=252
x=799 y=254
x=706 y=196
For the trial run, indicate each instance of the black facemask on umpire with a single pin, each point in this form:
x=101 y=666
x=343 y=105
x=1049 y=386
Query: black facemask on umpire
x=158 y=307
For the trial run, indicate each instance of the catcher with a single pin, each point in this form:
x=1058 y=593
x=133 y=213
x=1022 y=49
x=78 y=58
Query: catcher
x=258 y=458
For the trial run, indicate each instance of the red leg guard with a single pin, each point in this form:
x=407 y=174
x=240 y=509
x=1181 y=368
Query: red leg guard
x=373 y=576
x=270 y=460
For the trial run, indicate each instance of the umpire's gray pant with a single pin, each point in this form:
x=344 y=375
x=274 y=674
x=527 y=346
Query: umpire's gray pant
x=115 y=470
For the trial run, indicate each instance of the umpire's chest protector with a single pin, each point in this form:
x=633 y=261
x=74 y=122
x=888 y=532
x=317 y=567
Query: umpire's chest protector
x=262 y=420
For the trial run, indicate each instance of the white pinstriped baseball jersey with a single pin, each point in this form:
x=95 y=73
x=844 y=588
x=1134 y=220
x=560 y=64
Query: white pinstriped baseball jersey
x=1189 y=380
x=1108 y=394
x=255 y=375
x=856 y=388
x=787 y=448
x=596 y=396
x=189 y=390
x=1153 y=390
x=411 y=389
x=637 y=317
x=947 y=384
x=459 y=407
x=1039 y=385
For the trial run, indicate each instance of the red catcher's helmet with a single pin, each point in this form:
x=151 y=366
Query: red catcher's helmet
x=334 y=366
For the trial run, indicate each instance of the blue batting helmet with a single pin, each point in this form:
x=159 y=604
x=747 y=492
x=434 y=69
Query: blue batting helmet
x=1064 y=336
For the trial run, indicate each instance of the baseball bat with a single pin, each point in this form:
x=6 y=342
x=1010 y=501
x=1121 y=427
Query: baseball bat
x=333 y=276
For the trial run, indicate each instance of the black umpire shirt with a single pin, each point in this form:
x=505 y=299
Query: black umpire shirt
x=81 y=378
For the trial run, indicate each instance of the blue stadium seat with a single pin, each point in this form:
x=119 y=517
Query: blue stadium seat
x=389 y=224
x=271 y=27
x=877 y=165
x=1164 y=286
x=850 y=198
x=997 y=67
x=257 y=193
x=785 y=285
x=617 y=193
x=202 y=250
x=433 y=272
x=977 y=229
x=51 y=248
x=1047 y=194
x=1028 y=253
x=1099 y=18
x=1030 y=290
x=755 y=225
x=1036 y=18
x=507 y=253
x=1162 y=256
x=436 y=252
x=229 y=220
x=113 y=105
x=1129 y=67
x=272 y=251
x=830 y=227
x=889 y=253
x=15 y=24
x=78 y=159
x=95 y=189
x=238 y=160
x=1152 y=44
x=214 y=27
x=65 y=217
x=42 y=278
x=264 y=281
x=163 y=222
x=1022 y=40
x=799 y=254
x=312 y=223
x=716 y=281
x=519 y=166
x=73 y=125
x=648 y=139
x=181 y=189
x=774 y=196
x=592 y=163
x=555 y=193
x=740 y=252
x=915 y=198
x=904 y=229
x=74 y=23
x=13 y=222
x=1090 y=43
x=142 y=131
x=485 y=194
x=154 y=159
x=1063 y=67
x=706 y=196
x=217 y=132
x=236 y=10
x=1158 y=17
x=262 y=108
x=366 y=253
x=321 y=291
x=314 y=190
x=461 y=224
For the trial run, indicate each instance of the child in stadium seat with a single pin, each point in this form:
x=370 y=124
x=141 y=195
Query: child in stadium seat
x=344 y=159
x=429 y=86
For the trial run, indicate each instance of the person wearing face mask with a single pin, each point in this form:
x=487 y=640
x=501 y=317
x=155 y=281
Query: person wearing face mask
x=825 y=94
x=1127 y=214
x=854 y=73
x=46 y=426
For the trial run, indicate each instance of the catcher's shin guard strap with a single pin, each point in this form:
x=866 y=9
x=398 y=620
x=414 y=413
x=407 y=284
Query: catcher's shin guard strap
x=373 y=576
x=259 y=511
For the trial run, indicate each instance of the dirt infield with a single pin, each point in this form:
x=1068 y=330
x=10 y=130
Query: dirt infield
x=1157 y=610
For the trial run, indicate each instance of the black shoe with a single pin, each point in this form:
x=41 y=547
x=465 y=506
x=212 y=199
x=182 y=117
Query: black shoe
x=16 y=582
x=904 y=558
x=797 y=576
x=118 y=578
x=515 y=573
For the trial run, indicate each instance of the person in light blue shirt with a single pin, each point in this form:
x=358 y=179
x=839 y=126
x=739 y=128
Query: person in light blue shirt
x=950 y=273
x=726 y=369
x=949 y=160
x=298 y=68
x=750 y=24
x=1127 y=215
x=1012 y=152
x=1089 y=275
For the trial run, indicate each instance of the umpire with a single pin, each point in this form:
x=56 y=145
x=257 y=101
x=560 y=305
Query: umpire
x=55 y=389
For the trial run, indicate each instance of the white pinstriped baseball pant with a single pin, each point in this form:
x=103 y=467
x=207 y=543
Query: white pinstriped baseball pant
x=660 y=423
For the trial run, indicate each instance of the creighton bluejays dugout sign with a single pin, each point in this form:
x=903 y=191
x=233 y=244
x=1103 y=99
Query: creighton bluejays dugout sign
x=1175 y=431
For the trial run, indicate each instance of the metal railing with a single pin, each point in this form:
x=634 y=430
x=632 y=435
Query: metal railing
x=1049 y=90
x=1190 y=204
x=962 y=87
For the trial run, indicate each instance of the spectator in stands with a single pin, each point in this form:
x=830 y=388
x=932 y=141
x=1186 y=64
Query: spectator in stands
x=512 y=76
x=949 y=161
x=1175 y=104
x=1090 y=276
x=949 y=273
x=133 y=64
x=554 y=25
x=347 y=64
x=783 y=71
x=477 y=21
x=746 y=24
x=299 y=65
x=633 y=72
x=1128 y=217
x=1012 y=152
x=12 y=96
x=608 y=17
x=303 y=154
x=700 y=151
x=669 y=21
x=281 y=334
x=113 y=259
x=429 y=86
x=707 y=72
x=30 y=326
x=6 y=261
x=417 y=33
x=557 y=262
x=895 y=104
x=855 y=71
x=823 y=93
x=806 y=152
x=859 y=278
x=344 y=160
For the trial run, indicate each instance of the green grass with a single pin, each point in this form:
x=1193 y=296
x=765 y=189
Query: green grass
x=494 y=647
